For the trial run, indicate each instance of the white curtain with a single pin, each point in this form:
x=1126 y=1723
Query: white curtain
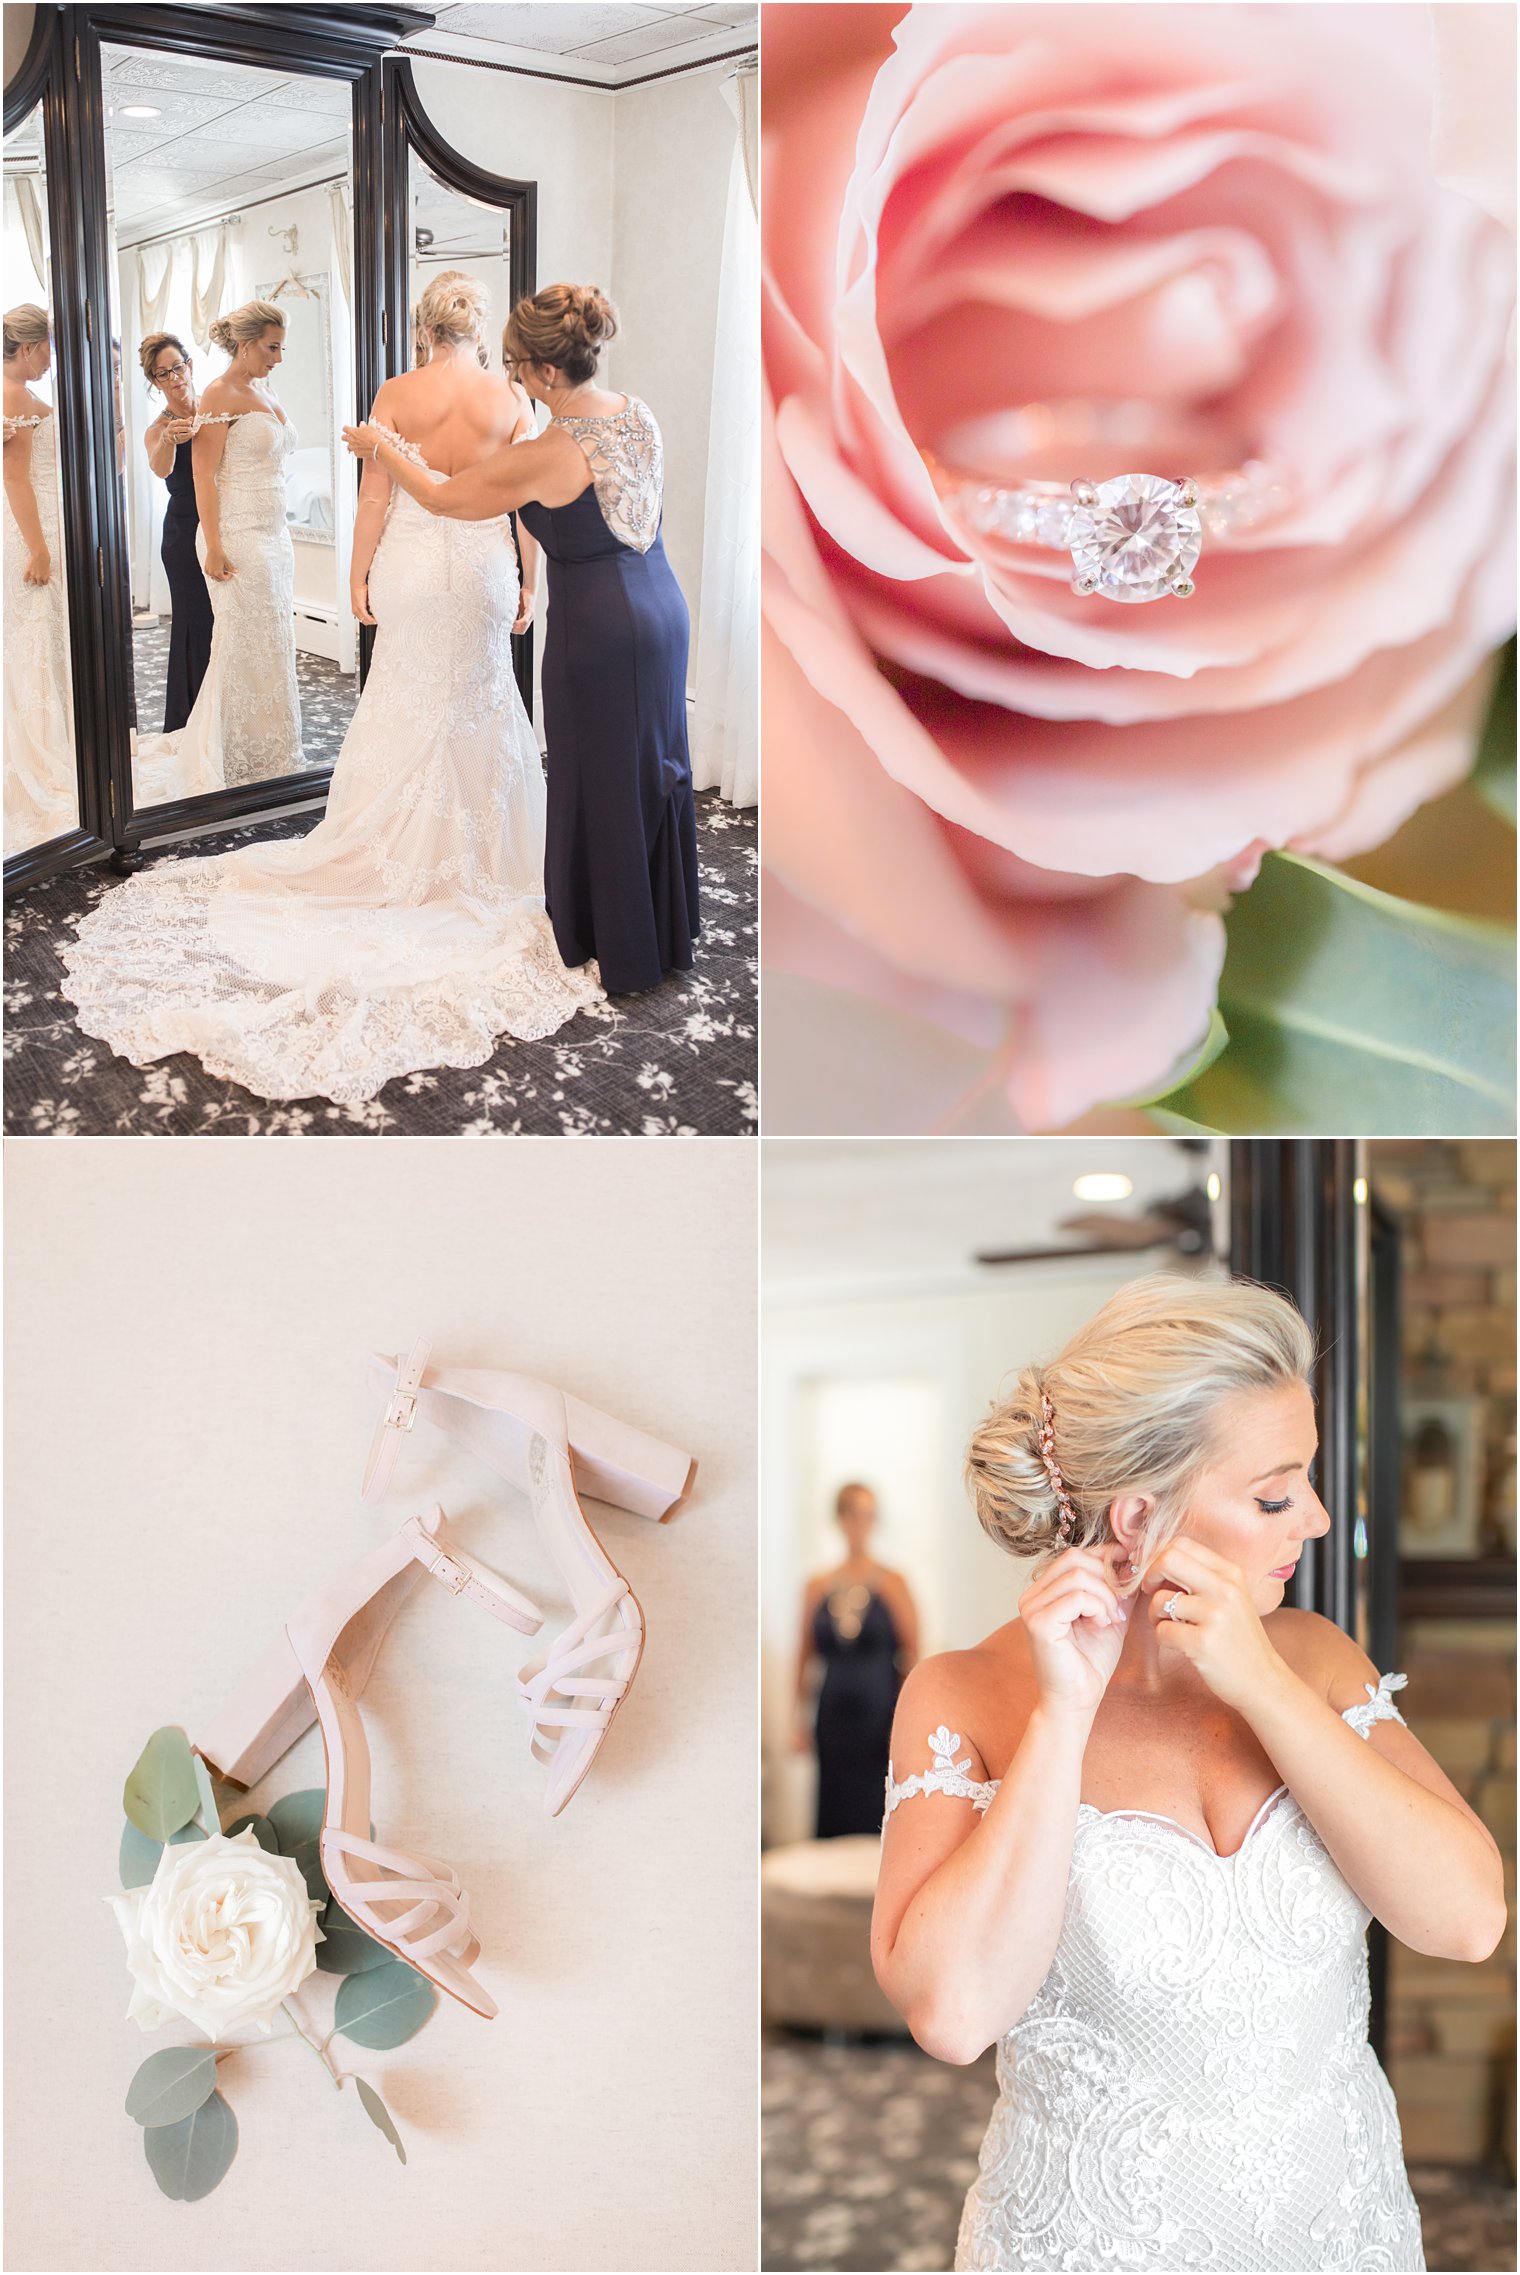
x=343 y=238
x=153 y=299
x=725 y=737
x=209 y=300
x=29 y=206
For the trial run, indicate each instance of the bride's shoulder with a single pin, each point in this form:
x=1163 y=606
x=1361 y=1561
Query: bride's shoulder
x=1321 y=1654
x=981 y=1693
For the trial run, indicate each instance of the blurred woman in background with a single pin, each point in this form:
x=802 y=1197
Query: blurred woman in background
x=859 y=1623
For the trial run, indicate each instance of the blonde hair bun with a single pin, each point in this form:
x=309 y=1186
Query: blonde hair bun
x=240 y=325
x=1133 y=1400
x=25 y=325
x=453 y=307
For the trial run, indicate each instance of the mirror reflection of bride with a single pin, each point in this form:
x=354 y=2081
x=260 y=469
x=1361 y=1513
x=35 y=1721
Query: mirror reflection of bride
x=407 y=930
x=246 y=722
x=40 y=794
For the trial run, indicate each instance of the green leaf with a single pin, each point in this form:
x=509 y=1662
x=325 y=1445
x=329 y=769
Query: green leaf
x=172 y=2085
x=1493 y=775
x=210 y=1813
x=161 y=1793
x=138 y=1858
x=1352 y=1011
x=186 y=1833
x=188 y=2159
x=347 y=1950
x=385 y=2005
x=297 y=1822
x=1189 y=1066
x=377 y=2113
x=263 y=1832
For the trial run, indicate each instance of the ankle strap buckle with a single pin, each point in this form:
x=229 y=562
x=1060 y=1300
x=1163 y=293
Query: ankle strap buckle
x=454 y=1575
x=401 y=1413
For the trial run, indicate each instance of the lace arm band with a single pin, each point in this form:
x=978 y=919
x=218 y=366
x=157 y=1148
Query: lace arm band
x=1379 y=1706
x=947 y=1775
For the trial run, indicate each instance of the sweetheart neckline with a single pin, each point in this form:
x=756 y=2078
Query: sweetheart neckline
x=1155 y=1817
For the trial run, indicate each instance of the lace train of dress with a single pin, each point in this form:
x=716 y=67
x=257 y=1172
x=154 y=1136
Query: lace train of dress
x=246 y=722
x=408 y=929
x=1192 y=2086
x=41 y=779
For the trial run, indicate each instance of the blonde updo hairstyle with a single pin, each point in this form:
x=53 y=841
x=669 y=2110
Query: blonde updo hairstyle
x=451 y=309
x=241 y=325
x=25 y=327
x=1134 y=1401
x=566 y=325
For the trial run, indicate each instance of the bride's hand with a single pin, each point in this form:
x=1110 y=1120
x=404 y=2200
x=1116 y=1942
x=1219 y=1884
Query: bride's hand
x=358 y=600
x=218 y=567
x=1216 y=1627
x=1076 y=1621
x=363 y=441
x=524 y=616
x=39 y=567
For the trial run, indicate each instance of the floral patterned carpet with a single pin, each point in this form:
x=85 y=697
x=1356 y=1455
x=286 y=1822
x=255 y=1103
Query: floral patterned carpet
x=680 y=1062
x=869 y=2149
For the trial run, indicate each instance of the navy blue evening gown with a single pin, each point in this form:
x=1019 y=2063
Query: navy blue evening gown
x=620 y=855
x=190 y=623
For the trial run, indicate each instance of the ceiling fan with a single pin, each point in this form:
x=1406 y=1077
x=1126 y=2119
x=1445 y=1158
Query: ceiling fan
x=1183 y=1222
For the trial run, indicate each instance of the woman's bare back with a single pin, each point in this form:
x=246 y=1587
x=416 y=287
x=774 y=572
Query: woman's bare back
x=455 y=413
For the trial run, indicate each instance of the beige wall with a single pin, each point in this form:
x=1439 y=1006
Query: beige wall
x=18 y=31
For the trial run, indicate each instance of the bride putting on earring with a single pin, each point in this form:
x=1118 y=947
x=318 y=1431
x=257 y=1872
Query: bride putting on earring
x=1135 y=1837
x=407 y=930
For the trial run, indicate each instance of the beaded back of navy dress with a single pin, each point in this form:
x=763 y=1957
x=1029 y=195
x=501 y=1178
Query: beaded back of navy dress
x=1191 y=2086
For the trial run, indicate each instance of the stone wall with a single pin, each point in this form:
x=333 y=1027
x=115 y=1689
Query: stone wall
x=1451 y=2027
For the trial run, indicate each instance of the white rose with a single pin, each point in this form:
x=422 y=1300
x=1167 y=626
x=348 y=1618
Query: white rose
x=222 y=1933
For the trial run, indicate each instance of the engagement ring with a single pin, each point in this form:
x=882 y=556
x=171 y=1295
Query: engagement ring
x=1169 y=1608
x=1131 y=537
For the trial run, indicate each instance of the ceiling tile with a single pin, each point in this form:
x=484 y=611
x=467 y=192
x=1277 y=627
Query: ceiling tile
x=662 y=38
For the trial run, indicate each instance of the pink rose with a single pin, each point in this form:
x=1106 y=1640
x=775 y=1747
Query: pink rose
x=1018 y=813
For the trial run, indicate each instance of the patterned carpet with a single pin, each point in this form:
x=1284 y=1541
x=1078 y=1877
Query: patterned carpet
x=328 y=696
x=869 y=2149
x=679 y=1062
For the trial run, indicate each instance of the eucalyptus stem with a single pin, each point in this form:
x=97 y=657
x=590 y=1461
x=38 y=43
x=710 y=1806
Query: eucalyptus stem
x=318 y=2047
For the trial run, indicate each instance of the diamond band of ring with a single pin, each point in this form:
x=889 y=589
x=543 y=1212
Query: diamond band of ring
x=1134 y=537
x=1169 y=1608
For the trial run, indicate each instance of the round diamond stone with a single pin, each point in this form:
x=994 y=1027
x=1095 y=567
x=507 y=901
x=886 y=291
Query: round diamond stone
x=1137 y=540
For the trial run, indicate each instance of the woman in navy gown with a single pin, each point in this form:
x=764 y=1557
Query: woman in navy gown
x=860 y=1625
x=620 y=866
x=166 y=363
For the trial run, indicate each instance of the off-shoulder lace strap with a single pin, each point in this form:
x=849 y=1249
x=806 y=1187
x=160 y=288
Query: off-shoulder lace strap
x=947 y=1776
x=217 y=419
x=14 y=426
x=407 y=449
x=1379 y=1706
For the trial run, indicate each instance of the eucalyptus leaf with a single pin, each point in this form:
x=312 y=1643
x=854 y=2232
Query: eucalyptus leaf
x=172 y=2085
x=1494 y=773
x=346 y=1949
x=297 y=1822
x=211 y=1815
x=138 y=1858
x=188 y=2159
x=187 y=1833
x=263 y=1832
x=377 y=2113
x=1352 y=1011
x=161 y=1793
x=384 y=2006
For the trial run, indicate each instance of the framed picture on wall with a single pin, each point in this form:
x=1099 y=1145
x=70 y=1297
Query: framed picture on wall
x=1441 y=1504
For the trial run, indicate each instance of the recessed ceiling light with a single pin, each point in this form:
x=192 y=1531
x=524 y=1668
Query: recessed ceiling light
x=140 y=110
x=1103 y=1185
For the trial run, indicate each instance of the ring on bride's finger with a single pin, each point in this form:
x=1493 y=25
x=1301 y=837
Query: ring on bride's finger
x=1169 y=1608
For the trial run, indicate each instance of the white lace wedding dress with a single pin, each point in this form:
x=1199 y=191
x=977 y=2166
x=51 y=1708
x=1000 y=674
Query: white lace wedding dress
x=1192 y=2086
x=246 y=724
x=407 y=930
x=41 y=779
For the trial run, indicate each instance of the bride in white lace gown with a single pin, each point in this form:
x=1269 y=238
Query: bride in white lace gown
x=407 y=930
x=245 y=725
x=1135 y=1837
x=41 y=779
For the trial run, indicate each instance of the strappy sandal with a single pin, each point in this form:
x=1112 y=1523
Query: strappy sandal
x=549 y=1444
x=414 y=1905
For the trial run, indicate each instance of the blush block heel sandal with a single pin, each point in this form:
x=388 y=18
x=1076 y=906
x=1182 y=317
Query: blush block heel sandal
x=316 y=1672
x=549 y=1444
